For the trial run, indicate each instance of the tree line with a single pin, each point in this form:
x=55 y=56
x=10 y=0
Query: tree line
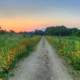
x=53 y=30
x=62 y=31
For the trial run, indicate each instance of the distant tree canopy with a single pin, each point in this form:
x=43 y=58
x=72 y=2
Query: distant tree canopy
x=62 y=31
x=53 y=30
x=2 y=31
x=39 y=32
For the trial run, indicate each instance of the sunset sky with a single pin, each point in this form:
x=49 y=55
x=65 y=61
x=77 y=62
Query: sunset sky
x=27 y=15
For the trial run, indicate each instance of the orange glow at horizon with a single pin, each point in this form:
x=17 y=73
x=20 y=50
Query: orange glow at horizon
x=22 y=24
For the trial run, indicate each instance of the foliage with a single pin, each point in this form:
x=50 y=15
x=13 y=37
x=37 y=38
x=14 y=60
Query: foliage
x=13 y=48
x=69 y=48
x=62 y=31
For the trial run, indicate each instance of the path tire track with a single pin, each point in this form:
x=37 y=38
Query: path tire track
x=43 y=64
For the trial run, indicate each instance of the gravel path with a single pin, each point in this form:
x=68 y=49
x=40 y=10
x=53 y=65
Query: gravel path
x=43 y=64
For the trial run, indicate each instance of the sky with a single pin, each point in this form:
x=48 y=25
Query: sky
x=28 y=15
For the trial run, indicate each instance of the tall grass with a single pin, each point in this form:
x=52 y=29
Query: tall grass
x=12 y=49
x=69 y=48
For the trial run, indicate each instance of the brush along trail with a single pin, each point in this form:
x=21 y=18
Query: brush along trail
x=42 y=64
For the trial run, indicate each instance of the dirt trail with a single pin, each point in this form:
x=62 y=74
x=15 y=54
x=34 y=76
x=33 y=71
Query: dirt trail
x=43 y=64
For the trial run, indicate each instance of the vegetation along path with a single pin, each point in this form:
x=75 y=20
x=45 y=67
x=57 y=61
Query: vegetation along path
x=43 y=64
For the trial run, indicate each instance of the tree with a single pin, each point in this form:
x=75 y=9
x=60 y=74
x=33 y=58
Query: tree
x=62 y=31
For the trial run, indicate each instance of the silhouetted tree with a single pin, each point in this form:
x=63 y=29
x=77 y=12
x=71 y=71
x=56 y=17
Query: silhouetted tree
x=39 y=32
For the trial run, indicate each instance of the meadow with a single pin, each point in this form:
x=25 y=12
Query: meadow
x=69 y=49
x=14 y=47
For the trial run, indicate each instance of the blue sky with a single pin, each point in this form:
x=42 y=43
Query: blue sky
x=27 y=7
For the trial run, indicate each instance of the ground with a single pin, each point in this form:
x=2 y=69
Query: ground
x=42 y=64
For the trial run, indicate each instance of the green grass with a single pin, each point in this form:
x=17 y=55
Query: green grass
x=68 y=48
x=13 y=48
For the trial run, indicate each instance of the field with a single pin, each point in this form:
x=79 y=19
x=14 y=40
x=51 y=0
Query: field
x=13 y=47
x=69 y=49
